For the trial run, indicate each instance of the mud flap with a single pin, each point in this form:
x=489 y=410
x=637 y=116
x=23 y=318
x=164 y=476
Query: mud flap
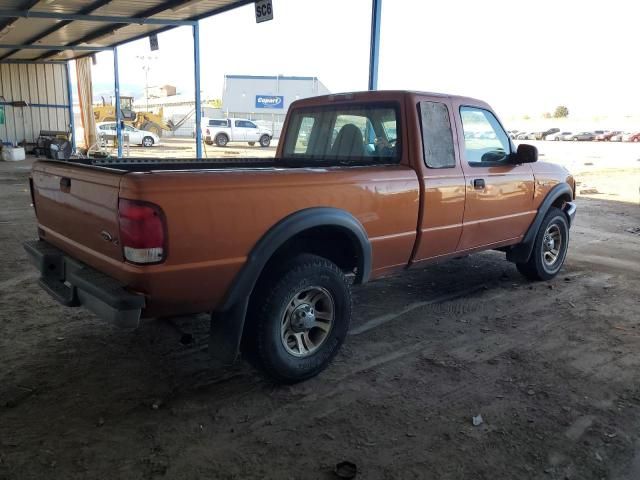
x=226 y=332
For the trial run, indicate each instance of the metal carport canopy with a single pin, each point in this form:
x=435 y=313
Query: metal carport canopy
x=62 y=30
x=101 y=23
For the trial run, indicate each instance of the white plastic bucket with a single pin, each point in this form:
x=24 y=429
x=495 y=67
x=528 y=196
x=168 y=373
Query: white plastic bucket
x=13 y=154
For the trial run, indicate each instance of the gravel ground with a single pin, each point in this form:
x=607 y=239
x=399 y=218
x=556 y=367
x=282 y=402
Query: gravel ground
x=552 y=368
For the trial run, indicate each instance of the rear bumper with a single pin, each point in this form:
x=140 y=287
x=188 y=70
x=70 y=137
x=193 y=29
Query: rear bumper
x=570 y=209
x=72 y=283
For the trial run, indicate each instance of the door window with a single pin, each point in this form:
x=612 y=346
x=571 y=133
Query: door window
x=485 y=141
x=245 y=124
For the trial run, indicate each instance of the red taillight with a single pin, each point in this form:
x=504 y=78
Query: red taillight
x=142 y=231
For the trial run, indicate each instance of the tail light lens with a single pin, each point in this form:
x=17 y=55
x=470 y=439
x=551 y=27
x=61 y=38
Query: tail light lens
x=142 y=232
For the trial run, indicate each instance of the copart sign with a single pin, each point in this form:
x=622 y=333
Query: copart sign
x=269 y=101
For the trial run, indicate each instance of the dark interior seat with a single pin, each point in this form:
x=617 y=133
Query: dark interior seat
x=349 y=142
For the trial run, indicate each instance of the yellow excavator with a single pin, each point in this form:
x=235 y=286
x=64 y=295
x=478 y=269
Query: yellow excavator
x=152 y=122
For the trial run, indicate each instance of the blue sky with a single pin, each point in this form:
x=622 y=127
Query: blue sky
x=521 y=57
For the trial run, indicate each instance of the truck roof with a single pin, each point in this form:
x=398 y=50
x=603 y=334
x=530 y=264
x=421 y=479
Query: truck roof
x=380 y=95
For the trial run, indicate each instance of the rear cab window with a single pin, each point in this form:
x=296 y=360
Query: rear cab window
x=352 y=133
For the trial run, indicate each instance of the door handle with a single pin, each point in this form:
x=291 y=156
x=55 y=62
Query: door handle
x=479 y=184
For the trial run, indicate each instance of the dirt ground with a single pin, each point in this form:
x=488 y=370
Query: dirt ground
x=553 y=369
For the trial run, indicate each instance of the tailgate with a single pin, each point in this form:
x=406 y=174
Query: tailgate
x=77 y=206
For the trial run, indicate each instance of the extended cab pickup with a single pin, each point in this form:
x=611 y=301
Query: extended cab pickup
x=364 y=185
x=221 y=131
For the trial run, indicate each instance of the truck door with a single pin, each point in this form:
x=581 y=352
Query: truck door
x=135 y=135
x=443 y=180
x=252 y=132
x=499 y=194
x=241 y=131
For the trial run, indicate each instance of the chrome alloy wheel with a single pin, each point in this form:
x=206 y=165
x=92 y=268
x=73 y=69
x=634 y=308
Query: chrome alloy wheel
x=551 y=245
x=307 y=321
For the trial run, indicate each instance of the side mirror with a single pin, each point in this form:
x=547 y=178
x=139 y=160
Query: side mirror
x=526 y=154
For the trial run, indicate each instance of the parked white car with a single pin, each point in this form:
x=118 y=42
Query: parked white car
x=526 y=136
x=221 y=131
x=136 y=136
x=556 y=137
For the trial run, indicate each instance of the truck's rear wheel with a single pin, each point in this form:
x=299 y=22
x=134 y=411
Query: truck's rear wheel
x=221 y=140
x=550 y=248
x=298 y=319
x=265 y=140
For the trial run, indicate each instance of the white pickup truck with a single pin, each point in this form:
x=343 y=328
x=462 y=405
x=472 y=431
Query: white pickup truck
x=224 y=130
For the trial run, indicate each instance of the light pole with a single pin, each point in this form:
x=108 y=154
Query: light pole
x=146 y=66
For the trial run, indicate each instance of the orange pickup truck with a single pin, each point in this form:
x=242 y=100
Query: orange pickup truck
x=363 y=185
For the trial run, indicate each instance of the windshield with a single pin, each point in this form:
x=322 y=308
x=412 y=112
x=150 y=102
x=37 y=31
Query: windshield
x=347 y=133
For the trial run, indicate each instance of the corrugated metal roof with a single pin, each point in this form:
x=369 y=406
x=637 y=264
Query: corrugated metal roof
x=53 y=32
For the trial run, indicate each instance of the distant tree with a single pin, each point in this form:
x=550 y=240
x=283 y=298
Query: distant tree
x=561 y=112
x=546 y=115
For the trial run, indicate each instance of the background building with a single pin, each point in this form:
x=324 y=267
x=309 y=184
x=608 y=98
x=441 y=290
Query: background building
x=261 y=98
x=266 y=99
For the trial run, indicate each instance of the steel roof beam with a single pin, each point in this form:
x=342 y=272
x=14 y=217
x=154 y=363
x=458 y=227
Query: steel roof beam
x=109 y=29
x=88 y=9
x=170 y=5
x=26 y=6
x=240 y=3
x=79 y=48
x=93 y=18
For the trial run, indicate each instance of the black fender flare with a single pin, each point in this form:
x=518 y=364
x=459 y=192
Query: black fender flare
x=520 y=253
x=227 y=323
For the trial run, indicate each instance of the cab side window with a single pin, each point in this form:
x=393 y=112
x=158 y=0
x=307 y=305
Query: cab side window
x=245 y=124
x=485 y=141
x=437 y=138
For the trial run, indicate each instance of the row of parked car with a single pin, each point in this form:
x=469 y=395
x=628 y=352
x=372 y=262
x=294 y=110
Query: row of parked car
x=554 y=134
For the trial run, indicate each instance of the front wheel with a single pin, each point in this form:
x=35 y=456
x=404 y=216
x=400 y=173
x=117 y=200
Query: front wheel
x=265 y=140
x=549 y=249
x=298 y=319
x=252 y=144
x=147 y=142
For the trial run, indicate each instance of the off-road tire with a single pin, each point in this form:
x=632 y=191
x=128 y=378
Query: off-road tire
x=262 y=340
x=536 y=268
